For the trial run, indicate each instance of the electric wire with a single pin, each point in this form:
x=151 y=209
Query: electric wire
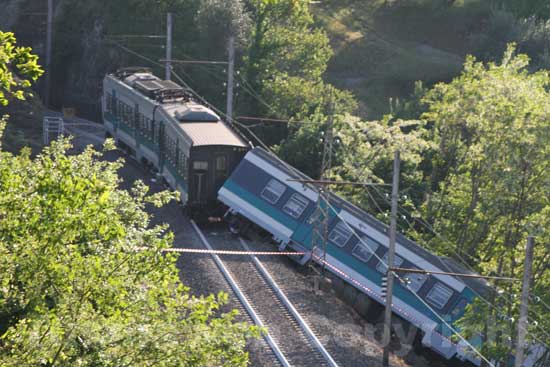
x=500 y=312
x=479 y=295
x=269 y=150
x=463 y=261
x=404 y=283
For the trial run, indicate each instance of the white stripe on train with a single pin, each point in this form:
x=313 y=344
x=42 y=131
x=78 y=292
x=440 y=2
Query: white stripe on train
x=400 y=250
x=255 y=215
x=280 y=175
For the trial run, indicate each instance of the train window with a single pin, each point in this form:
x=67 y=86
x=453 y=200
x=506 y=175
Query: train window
x=296 y=205
x=108 y=102
x=130 y=116
x=147 y=127
x=119 y=110
x=156 y=131
x=365 y=249
x=182 y=164
x=221 y=163
x=383 y=268
x=137 y=121
x=273 y=191
x=142 y=123
x=200 y=165
x=439 y=295
x=173 y=151
x=416 y=280
x=340 y=234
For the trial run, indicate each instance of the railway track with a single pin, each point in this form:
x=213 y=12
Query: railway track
x=289 y=337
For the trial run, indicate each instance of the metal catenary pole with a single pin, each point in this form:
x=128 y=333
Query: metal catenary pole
x=321 y=215
x=230 y=76
x=168 y=66
x=391 y=256
x=522 y=322
x=49 y=37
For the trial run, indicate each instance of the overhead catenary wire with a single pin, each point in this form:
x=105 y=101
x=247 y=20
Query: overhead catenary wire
x=425 y=224
x=538 y=299
x=269 y=150
x=249 y=90
x=428 y=272
x=500 y=312
x=146 y=36
x=490 y=304
x=262 y=119
x=203 y=62
x=450 y=327
x=224 y=252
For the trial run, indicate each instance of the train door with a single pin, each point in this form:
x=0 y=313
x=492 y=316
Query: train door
x=199 y=175
x=220 y=171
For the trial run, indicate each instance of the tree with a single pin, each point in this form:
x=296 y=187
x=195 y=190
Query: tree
x=20 y=60
x=300 y=99
x=285 y=47
x=491 y=179
x=284 y=40
x=365 y=153
x=84 y=280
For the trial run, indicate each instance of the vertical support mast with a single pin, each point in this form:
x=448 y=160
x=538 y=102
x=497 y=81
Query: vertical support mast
x=49 y=36
x=230 y=77
x=522 y=322
x=168 y=66
x=322 y=210
x=391 y=256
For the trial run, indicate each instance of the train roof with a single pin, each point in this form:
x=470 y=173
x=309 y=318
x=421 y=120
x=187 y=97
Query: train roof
x=202 y=125
x=444 y=263
x=208 y=133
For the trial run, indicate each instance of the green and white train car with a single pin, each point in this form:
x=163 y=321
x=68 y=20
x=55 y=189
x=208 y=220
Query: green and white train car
x=160 y=123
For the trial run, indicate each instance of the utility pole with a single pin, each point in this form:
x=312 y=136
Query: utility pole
x=49 y=29
x=522 y=322
x=322 y=209
x=230 y=77
x=168 y=66
x=391 y=256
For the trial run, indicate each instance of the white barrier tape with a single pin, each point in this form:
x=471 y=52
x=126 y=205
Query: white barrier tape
x=225 y=252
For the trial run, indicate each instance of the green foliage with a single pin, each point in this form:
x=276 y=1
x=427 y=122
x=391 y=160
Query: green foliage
x=366 y=152
x=491 y=171
x=284 y=45
x=15 y=61
x=84 y=280
x=301 y=99
x=363 y=152
x=224 y=18
x=300 y=144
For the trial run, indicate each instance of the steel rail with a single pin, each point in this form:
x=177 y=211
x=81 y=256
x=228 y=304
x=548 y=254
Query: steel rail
x=242 y=298
x=303 y=324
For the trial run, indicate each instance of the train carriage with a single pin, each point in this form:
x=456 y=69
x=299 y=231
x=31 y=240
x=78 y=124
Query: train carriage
x=261 y=191
x=160 y=123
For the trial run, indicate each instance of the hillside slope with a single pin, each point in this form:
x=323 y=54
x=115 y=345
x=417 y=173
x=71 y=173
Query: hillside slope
x=382 y=47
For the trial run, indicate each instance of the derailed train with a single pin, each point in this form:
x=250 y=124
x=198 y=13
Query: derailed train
x=208 y=162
